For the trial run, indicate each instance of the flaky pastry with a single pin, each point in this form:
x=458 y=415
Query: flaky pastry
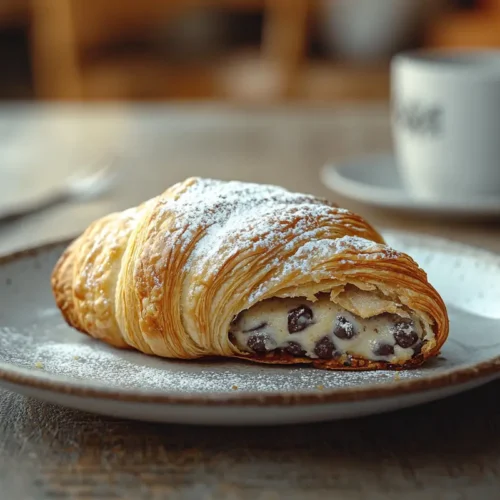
x=232 y=269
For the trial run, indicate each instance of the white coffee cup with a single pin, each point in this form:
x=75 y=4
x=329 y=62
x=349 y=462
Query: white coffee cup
x=446 y=123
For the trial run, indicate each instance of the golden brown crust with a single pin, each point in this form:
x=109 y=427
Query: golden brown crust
x=62 y=285
x=168 y=277
x=344 y=362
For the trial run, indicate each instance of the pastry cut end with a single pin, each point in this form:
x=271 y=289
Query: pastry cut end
x=355 y=329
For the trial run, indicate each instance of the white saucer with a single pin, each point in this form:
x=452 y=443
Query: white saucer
x=374 y=180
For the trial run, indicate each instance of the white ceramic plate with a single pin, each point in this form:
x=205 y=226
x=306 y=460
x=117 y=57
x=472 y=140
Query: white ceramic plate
x=374 y=180
x=42 y=357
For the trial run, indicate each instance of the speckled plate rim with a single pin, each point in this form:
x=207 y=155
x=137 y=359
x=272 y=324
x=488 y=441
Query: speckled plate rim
x=18 y=376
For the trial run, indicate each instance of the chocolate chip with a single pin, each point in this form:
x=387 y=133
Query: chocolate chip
x=383 y=350
x=404 y=333
x=344 y=329
x=348 y=361
x=261 y=343
x=295 y=349
x=299 y=319
x=232 y=338
x=255 y=328
x=324 y=348
x=417 y=349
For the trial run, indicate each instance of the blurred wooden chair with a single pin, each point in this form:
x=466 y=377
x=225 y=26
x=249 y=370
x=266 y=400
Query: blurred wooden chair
x=14 y=12
x=65 y=32
x=70 y=61
x=479 y=27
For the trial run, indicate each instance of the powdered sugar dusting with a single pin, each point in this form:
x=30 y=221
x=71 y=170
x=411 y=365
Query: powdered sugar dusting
x=322 y=250
x=256 y=218
x=262 y=210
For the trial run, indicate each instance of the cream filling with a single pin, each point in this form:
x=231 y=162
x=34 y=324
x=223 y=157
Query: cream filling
x=269 y=321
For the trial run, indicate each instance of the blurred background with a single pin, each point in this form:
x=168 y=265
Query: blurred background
x=105 y=103
x=246 y=51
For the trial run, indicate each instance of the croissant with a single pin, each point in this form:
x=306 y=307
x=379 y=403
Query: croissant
x=233 y=269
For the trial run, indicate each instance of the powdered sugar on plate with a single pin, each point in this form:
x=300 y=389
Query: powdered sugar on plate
x=62 y=351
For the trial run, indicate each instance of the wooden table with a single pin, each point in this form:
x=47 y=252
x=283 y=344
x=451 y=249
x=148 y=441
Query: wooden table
x=445 y=450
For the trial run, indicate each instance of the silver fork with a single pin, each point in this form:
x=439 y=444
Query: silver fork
x=84 y=185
